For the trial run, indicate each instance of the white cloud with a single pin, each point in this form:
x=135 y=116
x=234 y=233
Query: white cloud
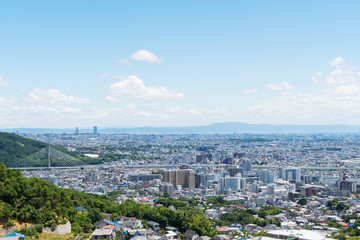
x=287 y=93
x=7 y=101
x=130 y=106
x=104 y=75
x=317 y=77
x=255 y=108
x=313 y=100
x=337 y=61
x=142 y=114
x=280 y=86
x=146 y=56
x=195 y=112
x=124 y=61
x=340 y=76
x=54 y=96
x=250 y=91
x=3 y=82
x=134 y=87
x=345 y=90
x=173 y=109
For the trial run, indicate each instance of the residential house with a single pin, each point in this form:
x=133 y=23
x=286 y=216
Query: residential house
x=103 y=234
x=190 y=235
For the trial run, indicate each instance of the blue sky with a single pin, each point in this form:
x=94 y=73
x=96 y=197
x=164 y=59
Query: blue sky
x=178 y=63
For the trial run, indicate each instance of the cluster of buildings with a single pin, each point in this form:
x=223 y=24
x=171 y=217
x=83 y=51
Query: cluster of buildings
x=249 y=170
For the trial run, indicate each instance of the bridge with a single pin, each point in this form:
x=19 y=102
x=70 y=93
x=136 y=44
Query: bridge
x=51 y=158
x=137 y=166
x=47 y=158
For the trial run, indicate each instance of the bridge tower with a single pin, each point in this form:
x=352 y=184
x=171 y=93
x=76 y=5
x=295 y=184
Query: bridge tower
x=49 y=159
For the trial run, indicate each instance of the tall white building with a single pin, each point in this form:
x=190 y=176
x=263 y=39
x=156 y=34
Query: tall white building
x=267 y=176
x=230 y=184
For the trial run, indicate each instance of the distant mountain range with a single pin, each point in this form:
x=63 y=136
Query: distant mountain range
x=216 y=128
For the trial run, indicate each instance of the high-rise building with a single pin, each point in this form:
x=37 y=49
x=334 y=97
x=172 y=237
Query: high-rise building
x=203 y=158
x=95 y=130
x=230 y=184
x=143 y=177
x=267 y=176
x=76 y=131
x=246 y=164
x=291 y=174
x=167 y=188
x=183 y=177
x=347 y=185
x=234 y=171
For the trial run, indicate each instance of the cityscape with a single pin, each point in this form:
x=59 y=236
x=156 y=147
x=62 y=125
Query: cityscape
x=245 y=171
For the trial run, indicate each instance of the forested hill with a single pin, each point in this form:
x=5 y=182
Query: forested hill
x=17 y=151
x=44 y=204
x=39 y=202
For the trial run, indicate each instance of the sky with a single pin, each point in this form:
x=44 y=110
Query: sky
x=178 y=63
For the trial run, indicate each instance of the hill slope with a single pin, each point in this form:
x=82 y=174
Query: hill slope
x=39 y=202
x=17 y=151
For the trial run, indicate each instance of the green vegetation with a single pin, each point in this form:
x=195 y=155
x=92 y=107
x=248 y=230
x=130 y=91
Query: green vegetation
x=39 y=202
x=42 y=203
x=268 y=210
x=189 y=218
x=302 y=201
x=17 y=151
x=337 y=204
x=219 y=202
x=247 y=217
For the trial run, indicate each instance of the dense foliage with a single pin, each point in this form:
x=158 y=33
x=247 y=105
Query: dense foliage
x=337 y=204
x=17 y=151
x=190 y=218
x=39 y=202
x=13 y=147
x=247 y=217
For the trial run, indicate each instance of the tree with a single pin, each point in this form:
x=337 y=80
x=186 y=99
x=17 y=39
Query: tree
x=302 y=201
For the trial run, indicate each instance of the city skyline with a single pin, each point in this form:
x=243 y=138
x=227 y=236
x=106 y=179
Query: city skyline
x=142 y=63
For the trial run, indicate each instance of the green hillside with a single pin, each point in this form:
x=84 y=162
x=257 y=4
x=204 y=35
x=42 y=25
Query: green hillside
x=44 y=204
x=17 y=151
x=39 y=202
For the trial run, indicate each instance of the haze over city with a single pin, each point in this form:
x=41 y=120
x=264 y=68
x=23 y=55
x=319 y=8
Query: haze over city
x=159 y=63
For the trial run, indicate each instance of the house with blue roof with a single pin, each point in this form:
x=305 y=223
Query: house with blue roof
x=102 y=223
x=14 y=236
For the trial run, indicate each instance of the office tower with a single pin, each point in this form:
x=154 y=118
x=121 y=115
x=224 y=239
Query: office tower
x=246 y=165
x=203 y=158
x=229 y=160
x=242 y=183
x=234 y=171
x=267 y=176
x=167 y=187
x=95 y=130
x=347 y=185
x=239 y=155
x=230 y=184
x=143 y=177
x=183 y=177
x=291 y=174
x=76 y=131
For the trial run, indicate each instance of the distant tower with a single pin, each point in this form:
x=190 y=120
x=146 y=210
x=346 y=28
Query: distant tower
x=95 y=130
x=76 y=131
